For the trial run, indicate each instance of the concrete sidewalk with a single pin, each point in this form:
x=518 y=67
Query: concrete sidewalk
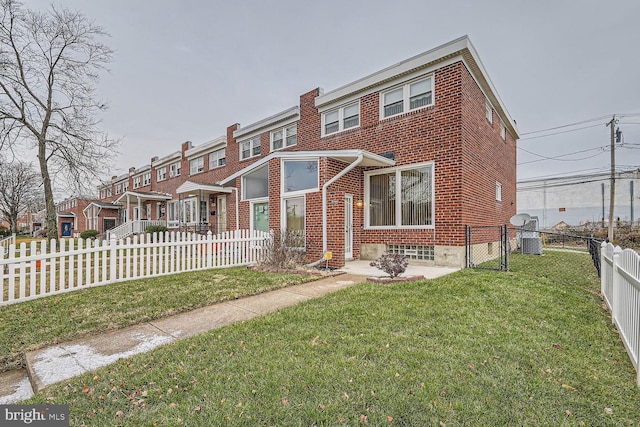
x=62 y=362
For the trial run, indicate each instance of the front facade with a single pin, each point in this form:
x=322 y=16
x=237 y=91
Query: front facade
x=398 y=161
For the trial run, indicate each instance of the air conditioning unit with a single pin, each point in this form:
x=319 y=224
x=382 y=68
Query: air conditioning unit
x=532 y=245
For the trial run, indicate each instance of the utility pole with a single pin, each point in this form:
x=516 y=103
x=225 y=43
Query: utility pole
x=612 y=192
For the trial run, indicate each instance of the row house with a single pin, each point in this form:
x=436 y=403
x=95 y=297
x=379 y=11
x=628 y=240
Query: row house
x=397 y=161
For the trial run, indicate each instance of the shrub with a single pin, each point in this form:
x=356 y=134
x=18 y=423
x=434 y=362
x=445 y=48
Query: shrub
x=392 y=264
x=285 y=250
x=89 y=234
x=156 y=229
x=4 y=232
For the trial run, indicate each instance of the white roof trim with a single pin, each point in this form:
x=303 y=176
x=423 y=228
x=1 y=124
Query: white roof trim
x=143 y=196
x=190 y=187
x=167 y=159
x=272 y=121
x=348 y=156
x=220 y=142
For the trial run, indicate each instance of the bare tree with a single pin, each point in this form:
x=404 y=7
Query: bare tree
x=49 y=66
x=19 y=191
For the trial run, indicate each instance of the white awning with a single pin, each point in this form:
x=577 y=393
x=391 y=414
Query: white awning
x=195 y=188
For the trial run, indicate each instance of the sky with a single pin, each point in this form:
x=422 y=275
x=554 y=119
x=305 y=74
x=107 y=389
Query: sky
x=185 y=70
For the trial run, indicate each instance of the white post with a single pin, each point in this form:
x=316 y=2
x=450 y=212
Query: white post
x=603 y=275
x=112 y=258
x=615 y=294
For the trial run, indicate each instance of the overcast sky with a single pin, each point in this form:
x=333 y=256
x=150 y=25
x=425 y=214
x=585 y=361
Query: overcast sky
x=185 y=70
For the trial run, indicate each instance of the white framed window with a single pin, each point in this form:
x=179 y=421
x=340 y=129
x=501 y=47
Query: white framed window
x=161 y=174
x=103 y=194
x=136 y=182
x=217 y=158
x=498 y=192
x=285 y=137
x=189 y=212
x=109 y=194
x=503 y=131
x=342 y=118
x=146 y=179
x=125 y=186
x=196 y=165
x=250 y=148
x=488 y=112
x=408 y=97
x=299 y=176
x=400 y=197
x=173 y=214
x=293 y=221
x=175 y=169
x=118 y=188
x=255 y=184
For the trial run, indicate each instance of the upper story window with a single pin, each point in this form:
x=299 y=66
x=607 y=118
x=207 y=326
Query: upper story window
x=118 y=188
x=136 y=182
x=146 y=179
x=284 y=137
x=125 y=186
x=498 y=192
x=196 y=165
x=299 y=175
x=109 y=194
x=175 y=169
x=408 y=97
x=503 y=131
x=250 y=148
x=488 y=112
x=161 y=174
x=217 y=158
x=342 y=118
x=255 y=184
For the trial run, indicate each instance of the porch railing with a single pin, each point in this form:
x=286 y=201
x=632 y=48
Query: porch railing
x=6 y=242
x=132 y=227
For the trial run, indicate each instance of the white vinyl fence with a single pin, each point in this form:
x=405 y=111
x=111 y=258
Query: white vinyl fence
x=47 y=268
x=620 y=286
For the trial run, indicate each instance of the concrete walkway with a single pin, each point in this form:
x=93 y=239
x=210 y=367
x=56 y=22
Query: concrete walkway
x=62 y=362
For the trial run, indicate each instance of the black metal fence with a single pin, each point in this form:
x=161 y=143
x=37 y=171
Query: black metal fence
x=488 y=247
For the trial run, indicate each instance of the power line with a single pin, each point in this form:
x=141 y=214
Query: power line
x=561 y=132
x=565 y=126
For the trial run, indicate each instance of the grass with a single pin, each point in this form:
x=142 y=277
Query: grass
x=34 y=324
x=475 y=348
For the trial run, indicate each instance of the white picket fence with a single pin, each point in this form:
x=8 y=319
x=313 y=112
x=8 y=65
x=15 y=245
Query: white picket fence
x=620 y=286
x=47 y=268
x=6 y=242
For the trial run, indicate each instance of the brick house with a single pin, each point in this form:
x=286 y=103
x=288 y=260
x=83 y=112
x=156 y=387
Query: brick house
x=400 y=161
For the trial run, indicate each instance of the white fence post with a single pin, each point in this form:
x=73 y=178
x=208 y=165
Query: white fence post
x=113 y=243
x=616 y=287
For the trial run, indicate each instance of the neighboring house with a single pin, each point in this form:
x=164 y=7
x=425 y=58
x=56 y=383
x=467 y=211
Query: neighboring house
x=579 y=199
x=397 y=161
x=71 y=220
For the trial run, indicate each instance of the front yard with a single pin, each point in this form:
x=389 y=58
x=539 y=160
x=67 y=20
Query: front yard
x=529 y=347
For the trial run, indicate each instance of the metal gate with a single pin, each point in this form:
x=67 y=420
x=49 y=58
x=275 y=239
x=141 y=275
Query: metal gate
x=487 y=247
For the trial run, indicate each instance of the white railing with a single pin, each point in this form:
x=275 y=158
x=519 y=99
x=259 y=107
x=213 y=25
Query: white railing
x=6 y=242
x=48 y=268
x=132 y=227
x=620 y=287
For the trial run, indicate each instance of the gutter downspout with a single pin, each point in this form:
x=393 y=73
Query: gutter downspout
x=324 y=197
x=237 y=209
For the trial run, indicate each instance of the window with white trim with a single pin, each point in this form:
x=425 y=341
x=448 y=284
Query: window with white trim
x=503 y=131
x=196 y=165
x=173 y=214
x=217 y=158
x=136 y=182
x=294 y=220
x=146 y=179
x=175 y=169
x=408 y=97
x=109 y=194
x=250 y=148
x=342 y=118
x=118 y=188
x=299 y=175
x=125 y=186
x=161 y=174
x=400 y=197
x=498 y=192
x=285 y=137
x=255 y=184
x=488 y=112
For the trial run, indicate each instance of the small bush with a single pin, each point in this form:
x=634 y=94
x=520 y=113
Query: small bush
x=156 y=229
x=89 y=234
x=285 y=250
x=392 y=264
x=4 y=232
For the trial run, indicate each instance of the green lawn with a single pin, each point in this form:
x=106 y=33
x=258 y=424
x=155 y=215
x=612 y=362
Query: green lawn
x=50 y=320
x=475 y=348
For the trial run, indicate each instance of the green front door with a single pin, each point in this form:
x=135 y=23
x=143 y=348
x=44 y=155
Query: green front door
x=261 y=216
